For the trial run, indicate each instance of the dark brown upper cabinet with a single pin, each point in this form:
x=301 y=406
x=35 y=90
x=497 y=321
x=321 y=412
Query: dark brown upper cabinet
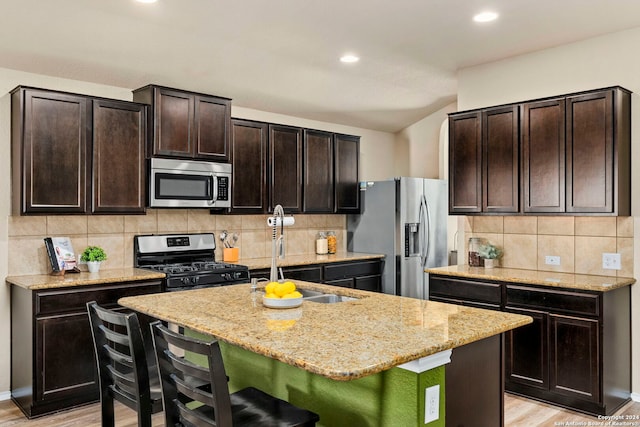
x=187 y=124
x=73 y=154
x=574 y=157
x=465 y=162
x=118 y=172
x=249 y=148
x=50 y=136
x=318 y=182
x=599 y=152
x=543 y=154
x=500 y=160
x=347 y=190
x=285 y=167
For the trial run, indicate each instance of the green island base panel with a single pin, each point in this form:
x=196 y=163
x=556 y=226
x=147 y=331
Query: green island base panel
x=391 y=398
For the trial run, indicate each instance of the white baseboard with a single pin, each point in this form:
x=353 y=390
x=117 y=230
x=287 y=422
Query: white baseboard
x=635 y=397
x=5 y=395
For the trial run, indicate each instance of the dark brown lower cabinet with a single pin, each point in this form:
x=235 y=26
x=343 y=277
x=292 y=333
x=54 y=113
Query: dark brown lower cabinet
x=577 y=351
x=364 y=275
x=52 y=358
x=526 y=352
x=475 y=397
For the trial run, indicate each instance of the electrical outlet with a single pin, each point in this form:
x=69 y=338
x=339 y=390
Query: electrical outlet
x=552 y=260
x=611 y=261
x=431 y=403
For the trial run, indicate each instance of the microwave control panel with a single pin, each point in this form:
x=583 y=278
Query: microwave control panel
x=223 y=188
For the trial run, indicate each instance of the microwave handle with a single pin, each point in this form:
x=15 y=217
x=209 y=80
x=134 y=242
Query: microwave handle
x=215 y=190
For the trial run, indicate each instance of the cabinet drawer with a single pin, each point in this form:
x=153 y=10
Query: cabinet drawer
x=488 y=293
x=66 y=301
x=553 y=301
x=354 y=269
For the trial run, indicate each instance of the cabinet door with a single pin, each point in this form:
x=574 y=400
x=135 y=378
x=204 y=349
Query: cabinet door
x=527 y=352
x=285 y=160
x=249 y=166
x=347 y=190
x=590 y=153
x=211 y=128
x=368 y=283
x=54 y=154
x=574 y=357
x=465 y=163
x=500 y=160
x=318 y=182
x=119 y=173
x=173 y=111
x=543 y=156
x=65 y=359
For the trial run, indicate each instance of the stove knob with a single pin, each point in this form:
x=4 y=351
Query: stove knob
x=184 y=280
x=195 y=279
x=226 y=276
x=237 y=275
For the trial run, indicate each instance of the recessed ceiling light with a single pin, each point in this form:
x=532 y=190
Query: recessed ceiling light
x=146 y=1
x=485 y=17
x=349 y=58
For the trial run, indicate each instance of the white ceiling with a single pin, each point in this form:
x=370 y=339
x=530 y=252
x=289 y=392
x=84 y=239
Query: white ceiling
x=281 y=56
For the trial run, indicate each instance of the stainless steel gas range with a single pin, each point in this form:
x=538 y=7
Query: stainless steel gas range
x=188 y=260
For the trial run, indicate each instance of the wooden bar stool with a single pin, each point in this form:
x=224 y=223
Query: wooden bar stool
x=189 y=402
x=124 y=370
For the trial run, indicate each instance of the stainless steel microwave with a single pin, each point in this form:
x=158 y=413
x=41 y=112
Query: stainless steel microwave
x=189 y=184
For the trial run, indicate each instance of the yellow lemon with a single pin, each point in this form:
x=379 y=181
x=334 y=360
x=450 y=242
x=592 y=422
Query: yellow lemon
x=281 y=289
x=290 y=286
x=271 y=295
x=270 y=288
x=290 y=295
x=296 y=294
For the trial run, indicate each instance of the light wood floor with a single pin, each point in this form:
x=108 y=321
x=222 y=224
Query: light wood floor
x=519 y=412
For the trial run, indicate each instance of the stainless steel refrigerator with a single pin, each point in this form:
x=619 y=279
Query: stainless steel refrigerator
x=405 y=219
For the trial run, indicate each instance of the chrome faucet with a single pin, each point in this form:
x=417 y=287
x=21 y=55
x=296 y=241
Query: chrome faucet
x=277 y=244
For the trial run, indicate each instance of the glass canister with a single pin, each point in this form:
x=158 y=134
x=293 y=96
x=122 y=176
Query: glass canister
x=332 y=242
x=321 y=243
x=474 y=256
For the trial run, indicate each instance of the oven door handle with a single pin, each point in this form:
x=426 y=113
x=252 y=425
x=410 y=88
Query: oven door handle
x=215 y=190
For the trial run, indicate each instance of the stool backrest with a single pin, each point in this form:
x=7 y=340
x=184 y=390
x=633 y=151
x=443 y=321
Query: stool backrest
x=121 y=356
x=186 y=384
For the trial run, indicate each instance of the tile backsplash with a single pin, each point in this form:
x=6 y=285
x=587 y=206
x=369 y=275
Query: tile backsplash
x=27 y=254
x=578 y=241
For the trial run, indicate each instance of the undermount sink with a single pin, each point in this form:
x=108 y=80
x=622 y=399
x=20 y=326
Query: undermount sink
x=316 y=296
x=329 y=298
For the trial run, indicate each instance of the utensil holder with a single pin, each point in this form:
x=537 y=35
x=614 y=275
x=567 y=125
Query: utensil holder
x=230 y=254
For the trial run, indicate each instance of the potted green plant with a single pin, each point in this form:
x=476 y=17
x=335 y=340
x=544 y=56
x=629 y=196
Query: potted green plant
x=490 y=253
x=93 y=256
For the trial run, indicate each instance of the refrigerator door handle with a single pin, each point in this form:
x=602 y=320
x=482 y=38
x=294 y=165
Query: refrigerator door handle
x=424 y=231
x=427 y=231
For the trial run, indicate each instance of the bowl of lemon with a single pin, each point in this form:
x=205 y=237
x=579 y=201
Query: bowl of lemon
x=281 y=295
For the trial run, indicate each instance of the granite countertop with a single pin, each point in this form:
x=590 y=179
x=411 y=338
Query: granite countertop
x=341 y=341
x=118 y=275
x=535 y=277
x=307 y=259
x=47 y=281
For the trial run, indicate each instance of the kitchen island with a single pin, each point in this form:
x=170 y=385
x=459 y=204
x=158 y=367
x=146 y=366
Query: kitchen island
x=360 y=362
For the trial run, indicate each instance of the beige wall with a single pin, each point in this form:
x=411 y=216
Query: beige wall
x=21 y=247
x=604 y=61
x=418 y=146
